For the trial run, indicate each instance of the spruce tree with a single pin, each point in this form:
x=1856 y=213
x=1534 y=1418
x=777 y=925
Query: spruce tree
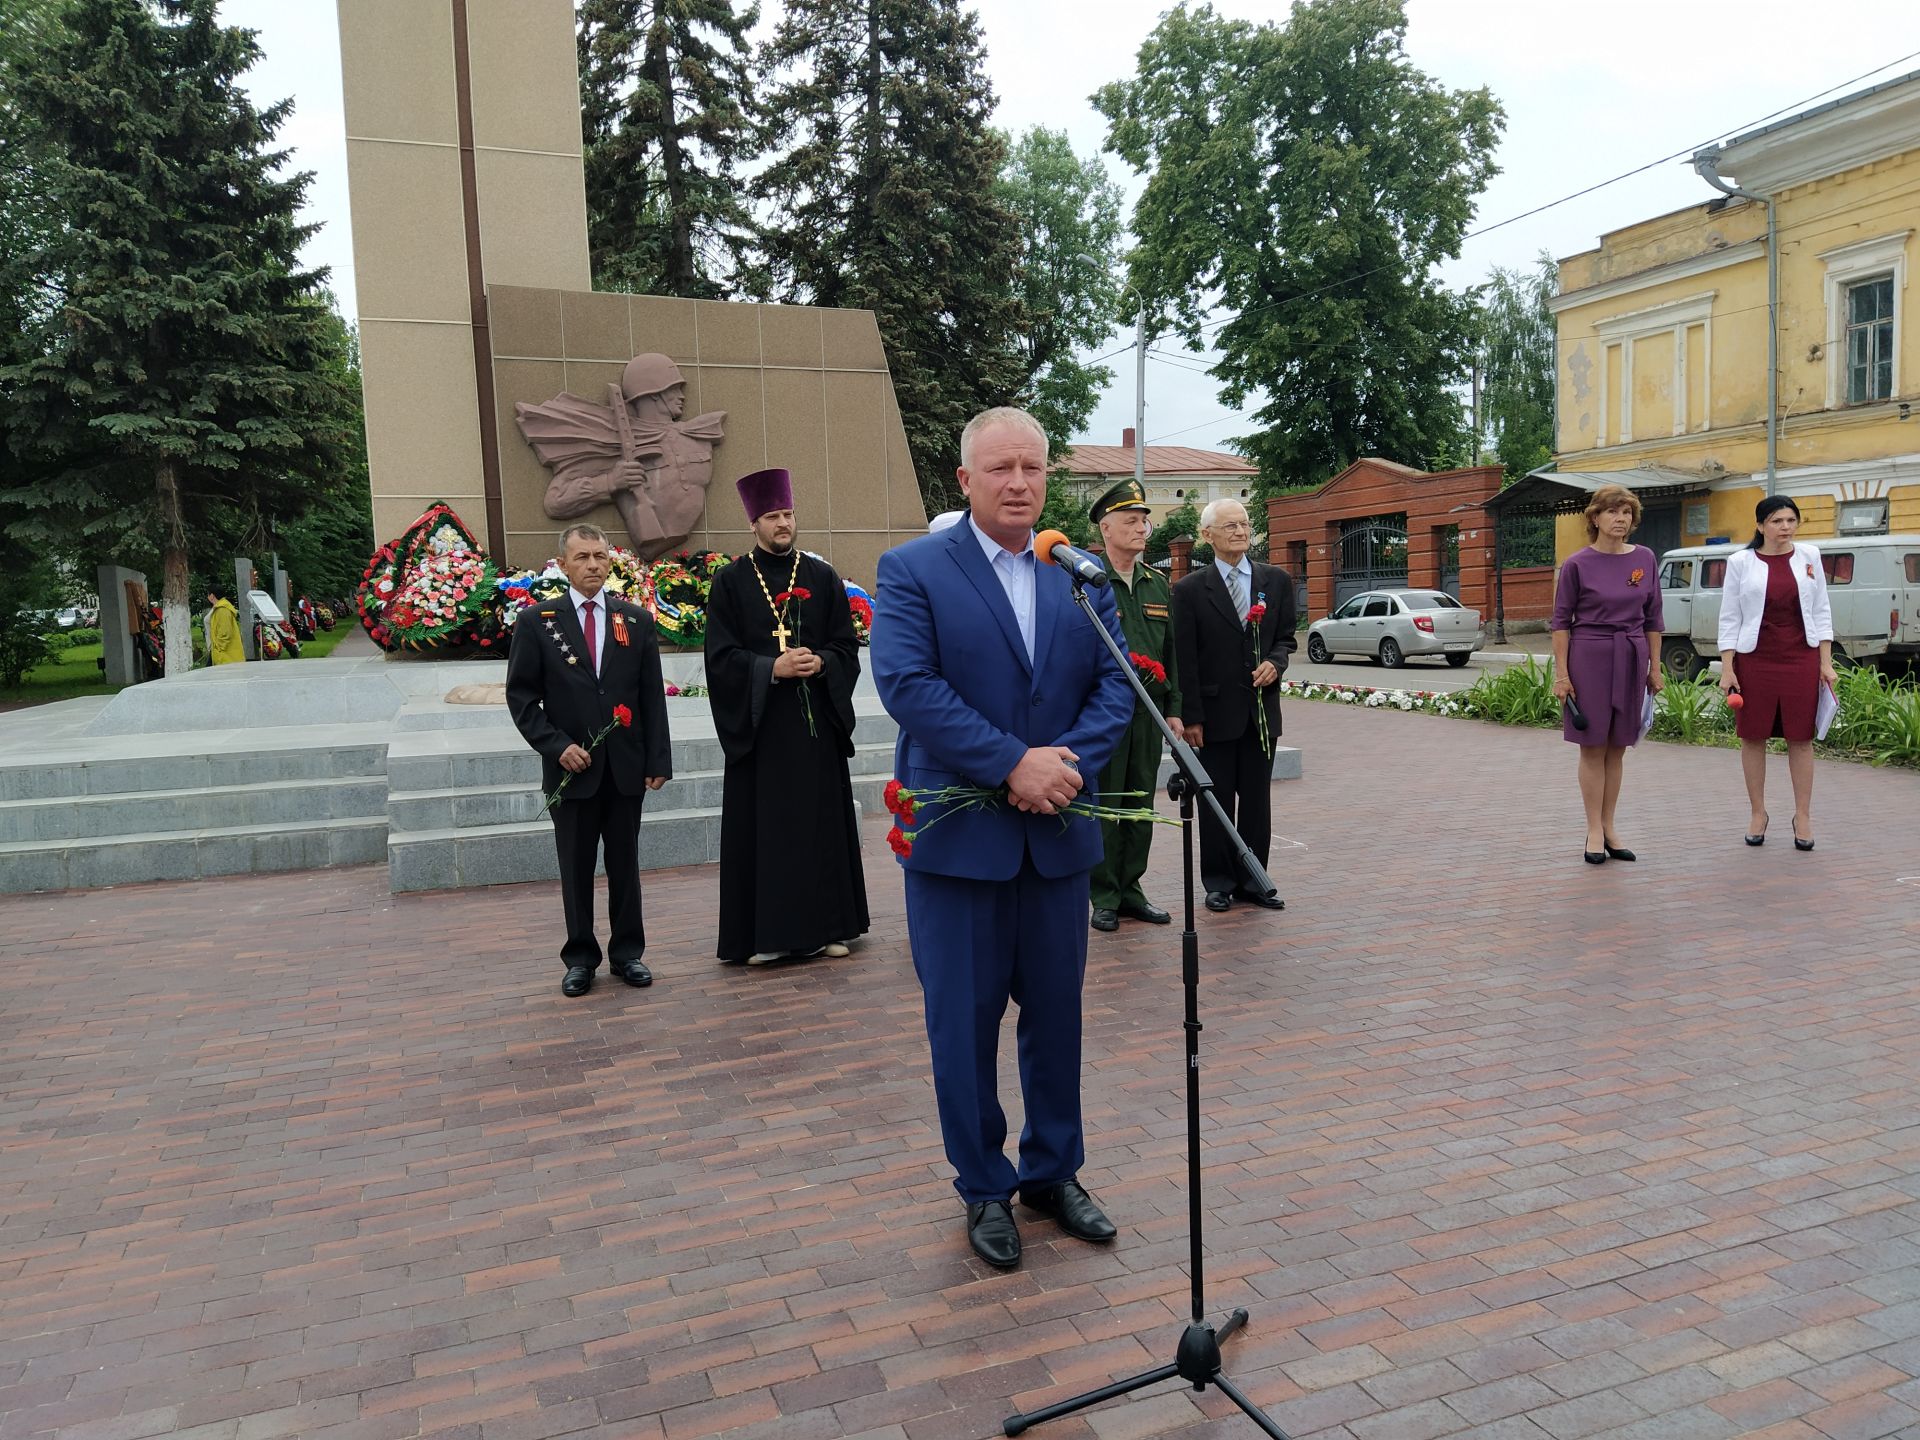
x=883 y=178
x=181 y=370
x=661 y=89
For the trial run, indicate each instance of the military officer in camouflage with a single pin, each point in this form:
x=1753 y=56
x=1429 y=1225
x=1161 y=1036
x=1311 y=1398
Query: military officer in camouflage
x=1143 y=596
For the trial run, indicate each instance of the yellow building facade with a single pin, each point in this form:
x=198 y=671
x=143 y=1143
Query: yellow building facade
x=1662 y=354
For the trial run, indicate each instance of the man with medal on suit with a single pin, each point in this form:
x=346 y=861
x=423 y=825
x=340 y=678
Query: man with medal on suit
x=585 y=689
x=1232 y=633
x=997 y=681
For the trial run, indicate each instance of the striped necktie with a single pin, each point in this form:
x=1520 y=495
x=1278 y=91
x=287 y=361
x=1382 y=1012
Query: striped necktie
x=1237 y=587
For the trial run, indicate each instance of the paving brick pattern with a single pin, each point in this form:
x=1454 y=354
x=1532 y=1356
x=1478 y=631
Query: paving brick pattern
x=1499 y=1144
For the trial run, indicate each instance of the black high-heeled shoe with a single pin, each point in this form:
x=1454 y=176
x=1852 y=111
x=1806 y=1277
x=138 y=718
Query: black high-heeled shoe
x=1761 y=838
x=1594 y=857
x=1619 y=852
x=1798 y=843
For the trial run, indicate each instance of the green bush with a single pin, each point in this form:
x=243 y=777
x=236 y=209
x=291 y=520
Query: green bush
x=1692 y=712
x=1879 y=717
x=58 y=642
x=1520 y=695
x=83 y=635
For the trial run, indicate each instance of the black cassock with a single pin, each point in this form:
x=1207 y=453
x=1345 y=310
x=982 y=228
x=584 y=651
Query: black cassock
x=790 y=875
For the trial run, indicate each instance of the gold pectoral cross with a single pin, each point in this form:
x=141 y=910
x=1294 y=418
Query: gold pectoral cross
x=780 y=633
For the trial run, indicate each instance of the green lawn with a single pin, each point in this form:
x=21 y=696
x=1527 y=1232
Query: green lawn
x=77 y=671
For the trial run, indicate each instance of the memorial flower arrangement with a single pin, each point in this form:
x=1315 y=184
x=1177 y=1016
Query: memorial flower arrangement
x=627 y=576
x=861 y=604
x=433 y=588
x=680 y=586
x=905 y=806
x=622 y=719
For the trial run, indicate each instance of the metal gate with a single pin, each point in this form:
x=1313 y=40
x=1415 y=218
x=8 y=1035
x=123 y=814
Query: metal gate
x=1450 y=562
x=1373 y=556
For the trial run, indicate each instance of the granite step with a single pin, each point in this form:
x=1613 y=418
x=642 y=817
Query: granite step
x=191 y=854
x=201 y=764
x=146 y=812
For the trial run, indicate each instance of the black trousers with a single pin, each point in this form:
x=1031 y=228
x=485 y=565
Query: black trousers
x=1242 y=782
x=580 y=828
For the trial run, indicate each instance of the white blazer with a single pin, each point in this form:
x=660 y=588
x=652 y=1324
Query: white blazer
x=1745 y=596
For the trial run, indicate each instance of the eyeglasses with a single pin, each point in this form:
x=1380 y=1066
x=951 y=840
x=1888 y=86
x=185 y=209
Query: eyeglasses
x=1233 y=527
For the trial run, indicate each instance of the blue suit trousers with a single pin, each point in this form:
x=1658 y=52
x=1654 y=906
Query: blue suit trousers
x=976 y=945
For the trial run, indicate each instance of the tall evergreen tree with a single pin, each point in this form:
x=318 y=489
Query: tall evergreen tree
x=181 y=371
x=883 y=175
x=1309 y=179
x=661 y=90
x=1517 y=349
x=1068 y=212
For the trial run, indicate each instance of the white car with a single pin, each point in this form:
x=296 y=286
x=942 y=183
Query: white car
x=1389 y=625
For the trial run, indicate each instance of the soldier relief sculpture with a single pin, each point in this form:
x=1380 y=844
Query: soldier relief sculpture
x=634 y=450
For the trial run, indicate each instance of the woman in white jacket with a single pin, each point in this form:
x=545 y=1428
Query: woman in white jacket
x=1776 y=651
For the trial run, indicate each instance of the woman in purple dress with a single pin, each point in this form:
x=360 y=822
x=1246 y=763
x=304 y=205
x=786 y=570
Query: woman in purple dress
x=1606 y=656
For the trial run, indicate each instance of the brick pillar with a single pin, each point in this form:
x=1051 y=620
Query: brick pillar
x=1181 y=552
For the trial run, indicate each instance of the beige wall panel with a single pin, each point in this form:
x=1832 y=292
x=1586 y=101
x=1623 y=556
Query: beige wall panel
x=396 y=70
x=857 y=448
x=1612 y=430
x=746 y=447
x=409 y=241
x=905 y=509
x=1696 y=377
x=523 y=479
x=533 y=219
x=595 y=327
x=664 y=324
x=852 y=340
x=729 y=334
x=796 y=424
x=524 y=322
x=423 y=431
x=790 y=335
x=526 y=85
x=856 y=555
x=1653 y=386
x=589 y=378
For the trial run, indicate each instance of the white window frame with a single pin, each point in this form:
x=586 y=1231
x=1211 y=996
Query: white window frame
x=1675 y=318
x=1848 y=265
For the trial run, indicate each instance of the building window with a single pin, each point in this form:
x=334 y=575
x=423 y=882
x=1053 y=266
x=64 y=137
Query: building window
x=1870 y=340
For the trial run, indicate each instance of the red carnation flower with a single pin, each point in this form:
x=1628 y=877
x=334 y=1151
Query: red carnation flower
x=622 y=716
x=906 y=812
x=890 y=797
x=901 y=842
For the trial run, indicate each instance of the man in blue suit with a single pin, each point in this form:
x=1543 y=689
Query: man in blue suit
x=996 y=679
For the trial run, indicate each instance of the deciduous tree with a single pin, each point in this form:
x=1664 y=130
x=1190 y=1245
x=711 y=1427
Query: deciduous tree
x=1308 y=179
x=1517 y=340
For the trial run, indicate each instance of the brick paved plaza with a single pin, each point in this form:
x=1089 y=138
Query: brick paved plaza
x=1500 y=1144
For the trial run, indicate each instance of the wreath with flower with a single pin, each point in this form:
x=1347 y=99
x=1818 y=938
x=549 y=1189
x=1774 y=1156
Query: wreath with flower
x=433 y=588
x=861 y=604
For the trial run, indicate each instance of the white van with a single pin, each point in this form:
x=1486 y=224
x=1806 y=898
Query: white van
x=1873 y=582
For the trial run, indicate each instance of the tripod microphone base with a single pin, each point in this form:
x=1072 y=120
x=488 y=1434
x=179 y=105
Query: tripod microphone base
x=1197 y=1362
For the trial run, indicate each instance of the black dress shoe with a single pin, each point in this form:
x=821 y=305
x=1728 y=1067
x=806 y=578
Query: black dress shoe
x=992 y=1233
x=1146 y=910
x=1265 y=902
x=1104 y=919
x=1219 y=900
x=579 y=980
x=1594 y=857
x=1619 y=852
x=1761 y=838
x=633 y=972
x=1069 y=1203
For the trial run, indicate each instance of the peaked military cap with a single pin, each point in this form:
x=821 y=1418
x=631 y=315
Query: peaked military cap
x=1127 y=495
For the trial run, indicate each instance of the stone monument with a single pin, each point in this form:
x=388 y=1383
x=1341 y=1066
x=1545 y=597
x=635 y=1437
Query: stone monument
x=634 y=451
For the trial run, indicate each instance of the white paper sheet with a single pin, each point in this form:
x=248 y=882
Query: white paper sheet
x=1646 y=716
x=1824 y=710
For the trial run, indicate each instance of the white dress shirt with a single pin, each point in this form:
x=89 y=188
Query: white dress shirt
x=599 y=603
x=1245 y=571
x=1014 y=570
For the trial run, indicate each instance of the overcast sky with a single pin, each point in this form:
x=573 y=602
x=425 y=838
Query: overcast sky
x=1589 y=91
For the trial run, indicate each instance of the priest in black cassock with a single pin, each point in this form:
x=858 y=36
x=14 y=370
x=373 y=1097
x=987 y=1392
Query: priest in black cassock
x=781 y=665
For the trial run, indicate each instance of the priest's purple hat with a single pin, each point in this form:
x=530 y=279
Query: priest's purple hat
x=765 y=490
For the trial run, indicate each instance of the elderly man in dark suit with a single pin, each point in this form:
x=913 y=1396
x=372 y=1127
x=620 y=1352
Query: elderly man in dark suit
x=581 y=665
x=1232 y=634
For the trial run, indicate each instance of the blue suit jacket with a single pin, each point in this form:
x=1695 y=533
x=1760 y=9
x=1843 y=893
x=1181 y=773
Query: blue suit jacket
x=953 y=672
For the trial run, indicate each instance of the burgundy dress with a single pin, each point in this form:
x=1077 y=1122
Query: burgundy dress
x=1607 y=604
x=1780 y=679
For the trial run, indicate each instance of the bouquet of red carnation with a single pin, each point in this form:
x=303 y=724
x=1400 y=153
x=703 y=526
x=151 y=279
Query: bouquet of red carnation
x=1151 y=670
x=904 y=805
x=622 y=718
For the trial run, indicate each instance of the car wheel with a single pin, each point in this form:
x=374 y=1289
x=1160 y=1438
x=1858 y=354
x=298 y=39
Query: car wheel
x=1458 y=659
x=1317 y=650
x=1390 y=655
x=1681 y=660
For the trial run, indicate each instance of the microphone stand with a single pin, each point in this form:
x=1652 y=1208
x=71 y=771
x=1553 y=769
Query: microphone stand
x=1197 y=1359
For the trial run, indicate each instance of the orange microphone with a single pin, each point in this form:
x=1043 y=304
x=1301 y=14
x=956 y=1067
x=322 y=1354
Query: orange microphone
x=1053 y=547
